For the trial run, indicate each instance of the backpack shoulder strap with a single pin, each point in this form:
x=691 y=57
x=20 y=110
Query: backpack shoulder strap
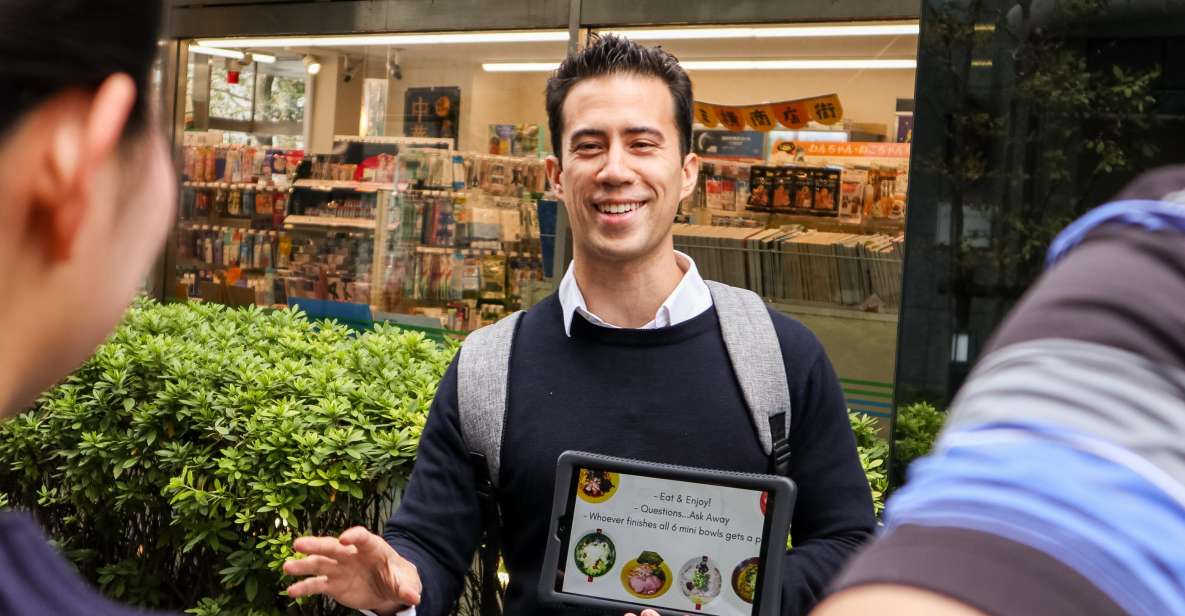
x=752 y=343
x=482 y=372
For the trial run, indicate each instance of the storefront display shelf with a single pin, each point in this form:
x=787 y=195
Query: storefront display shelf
x=223 y=224
x=202 y=265
x=476 y=252
x=333 y=222
x=234 y=185
x=821 y=223
x=328 y=185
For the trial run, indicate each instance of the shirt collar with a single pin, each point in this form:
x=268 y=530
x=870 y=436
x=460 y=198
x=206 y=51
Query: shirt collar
x=689 y=299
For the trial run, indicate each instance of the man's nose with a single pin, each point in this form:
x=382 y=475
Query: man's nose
x=617 y=169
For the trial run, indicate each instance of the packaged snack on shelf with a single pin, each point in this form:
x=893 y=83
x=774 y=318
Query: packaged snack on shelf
x=526 y=140
x=783 y=186
x=493 y=277
x=728 y=188
x=500 y=137
x=760 y=186
x=741 y=198
x=826 y=189
x=471 y=278
x=852 y=190
x=886 y=189
x=804 y=188
x=711 y=185
x=491 y=313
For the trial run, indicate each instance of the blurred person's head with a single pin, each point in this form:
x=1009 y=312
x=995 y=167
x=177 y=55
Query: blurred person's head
x=86 y=183
x=620 y=116
x=1160 y=184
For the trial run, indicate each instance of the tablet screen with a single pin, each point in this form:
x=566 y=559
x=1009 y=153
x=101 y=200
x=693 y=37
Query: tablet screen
x=673 y=544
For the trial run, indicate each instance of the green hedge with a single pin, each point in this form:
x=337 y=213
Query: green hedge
x=918 y=425
x=176 y=466
x=874 y=455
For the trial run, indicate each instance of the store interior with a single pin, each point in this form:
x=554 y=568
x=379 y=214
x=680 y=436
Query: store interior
x=276 y=116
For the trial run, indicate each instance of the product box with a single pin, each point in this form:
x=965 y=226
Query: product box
x=761 y=180
x=526 y=140
x=826 y=190
x=803 y=189
x=781 y=199
x=890 y=202
x=728 y=194
x=853 y=185
x=501 y=136
x=742 y=188
x=493 y=277
x=712 y=182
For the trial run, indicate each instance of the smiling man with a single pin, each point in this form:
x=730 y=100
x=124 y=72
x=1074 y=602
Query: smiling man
x=627 y=359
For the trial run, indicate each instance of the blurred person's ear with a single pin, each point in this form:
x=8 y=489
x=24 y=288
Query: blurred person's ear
x=86 y=132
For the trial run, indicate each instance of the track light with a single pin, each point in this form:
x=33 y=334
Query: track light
x=312 y=65
x=233 y=54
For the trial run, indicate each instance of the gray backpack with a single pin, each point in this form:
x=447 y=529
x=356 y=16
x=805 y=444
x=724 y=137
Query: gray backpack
x=482 y=387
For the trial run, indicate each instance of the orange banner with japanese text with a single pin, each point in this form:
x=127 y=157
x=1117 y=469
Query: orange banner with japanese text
x=767 y=116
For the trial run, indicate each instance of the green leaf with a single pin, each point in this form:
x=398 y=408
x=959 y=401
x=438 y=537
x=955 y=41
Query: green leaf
x=203 y=416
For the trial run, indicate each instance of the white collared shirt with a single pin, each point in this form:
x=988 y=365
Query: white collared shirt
x=689 y=299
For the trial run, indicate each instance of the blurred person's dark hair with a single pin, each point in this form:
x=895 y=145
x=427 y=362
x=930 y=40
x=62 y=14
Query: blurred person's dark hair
x=51 y=46
x=614 y=55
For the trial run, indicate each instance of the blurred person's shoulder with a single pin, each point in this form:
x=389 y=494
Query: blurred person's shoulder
x=36 y=579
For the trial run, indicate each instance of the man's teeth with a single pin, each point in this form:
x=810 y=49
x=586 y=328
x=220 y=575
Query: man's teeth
x=618 y=208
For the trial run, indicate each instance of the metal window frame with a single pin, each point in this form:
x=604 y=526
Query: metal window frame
x=268 y=17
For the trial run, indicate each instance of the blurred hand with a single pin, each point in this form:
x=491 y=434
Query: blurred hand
x=359 y=569
x=645 y=613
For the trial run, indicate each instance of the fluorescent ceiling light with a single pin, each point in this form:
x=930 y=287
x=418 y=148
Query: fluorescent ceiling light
x=538 y=36
x=765 y=65
x=671 y=34
x=520 y=67
x=221 y=53
x=731 y=65
x=232 y=54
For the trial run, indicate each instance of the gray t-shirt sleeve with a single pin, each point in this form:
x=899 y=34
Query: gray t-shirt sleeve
x=985 y=571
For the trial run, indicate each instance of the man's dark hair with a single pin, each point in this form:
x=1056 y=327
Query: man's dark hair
x=612 y=55
x=49 y=46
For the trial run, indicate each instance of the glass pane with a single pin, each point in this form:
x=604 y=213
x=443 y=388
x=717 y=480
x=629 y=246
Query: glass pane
x=400 y=204
x=803 y=183
x=279 y=98
x=231 y=92
x=1027 y=118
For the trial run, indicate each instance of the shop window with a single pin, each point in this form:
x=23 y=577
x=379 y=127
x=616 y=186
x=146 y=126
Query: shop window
x=1027 y=120
x=419 y=193
x=804 y=135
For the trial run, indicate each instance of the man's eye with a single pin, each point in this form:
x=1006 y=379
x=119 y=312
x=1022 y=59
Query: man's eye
x=644 y=145
x=587 y=147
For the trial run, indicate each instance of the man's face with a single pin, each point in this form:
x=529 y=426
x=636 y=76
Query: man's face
x=623 y=175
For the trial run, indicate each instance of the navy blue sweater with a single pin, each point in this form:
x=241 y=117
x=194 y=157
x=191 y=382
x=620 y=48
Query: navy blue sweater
x=667 y=395
x=35 y=579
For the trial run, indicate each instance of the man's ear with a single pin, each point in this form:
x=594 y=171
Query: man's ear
x=85 y=131
x=690 y=175
x=553 y=176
